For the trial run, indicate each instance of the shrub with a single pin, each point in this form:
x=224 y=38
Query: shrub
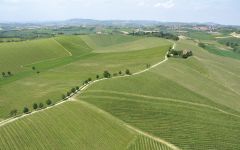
x=106 y=74
x=148 y=65
x=9 y=73
x=128 y=72
x=202 y=45
x=35 y=106
x=77 y=88
x=48 y=102
x=63 y=96
x=73 y=90
x=13 y=112
x=97 y=76
x=3 y=74
x=25 y=110
x=188 y=54
x=89 y=79
x=40 y=105
x=68 y=94
x=33 y=68
x=120 y=72
x=86 y=82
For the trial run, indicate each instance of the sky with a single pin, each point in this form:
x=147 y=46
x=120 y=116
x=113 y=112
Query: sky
x=217 y=11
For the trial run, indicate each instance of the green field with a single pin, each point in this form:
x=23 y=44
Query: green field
x=73 y=125
x=186 y=103
x=191 y=103
x=13 y=56
x=60 y=75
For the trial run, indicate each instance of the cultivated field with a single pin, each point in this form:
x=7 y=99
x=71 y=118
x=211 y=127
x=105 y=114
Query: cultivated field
x=15 y=55
x=193 y=103
x=179 y=104
x=58 y=76
x=74 y=125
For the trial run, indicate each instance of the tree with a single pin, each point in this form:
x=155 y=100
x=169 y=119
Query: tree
x=68 y=94
x=120 y=72
x=13 y=112
x=9 y=73
x=202 y=45
x=40 y=105
x=89 y=79
x=35 y=106
x=128 y=72
x=48 y=102
x=25 y=110
x=97 y=76
x=63 y=96
x=33 y=68
x=228 y=43
x=3 y=74
x=38 y=72
x=148 y=65
x=73 y=90
x=106 y=74
x=85 y=82
x=77 y=88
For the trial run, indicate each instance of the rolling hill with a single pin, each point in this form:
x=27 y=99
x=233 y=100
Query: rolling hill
x=178 y=104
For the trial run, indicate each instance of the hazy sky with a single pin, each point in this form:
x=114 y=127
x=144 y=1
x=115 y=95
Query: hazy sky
x=219 y=11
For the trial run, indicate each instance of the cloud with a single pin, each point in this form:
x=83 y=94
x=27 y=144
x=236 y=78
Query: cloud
x=165 y=4
x=142 y=3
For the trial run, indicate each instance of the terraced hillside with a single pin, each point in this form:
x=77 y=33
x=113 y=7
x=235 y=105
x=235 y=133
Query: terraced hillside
x=193 y=103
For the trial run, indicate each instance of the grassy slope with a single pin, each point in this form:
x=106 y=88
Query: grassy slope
x=100 y=41
x=13 y=55
x=69 y=126
x=144 y=43
x=73 y=126
x=218 y=77
x=177 y=101
x=224 y=53
x=58 y=76
x=74 y=44
x=144 y=143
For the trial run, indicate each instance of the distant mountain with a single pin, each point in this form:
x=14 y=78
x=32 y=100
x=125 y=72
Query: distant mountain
x=92 y=22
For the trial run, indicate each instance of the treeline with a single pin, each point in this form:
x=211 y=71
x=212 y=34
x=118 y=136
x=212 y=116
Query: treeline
x=179 y=54
x=234 y=45
x=35 y=106
x=48 y=102
x=157 y=34
x=7 y=74
x=66 y=96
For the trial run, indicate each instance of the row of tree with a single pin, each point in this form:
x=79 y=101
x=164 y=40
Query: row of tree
x=183 y=54
x=235 y=46
x=8 y=74
x=35 y=106
x=34 y=69
x=69 y=93
x=107 y=74
x=231 y=44
x=157 y=34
